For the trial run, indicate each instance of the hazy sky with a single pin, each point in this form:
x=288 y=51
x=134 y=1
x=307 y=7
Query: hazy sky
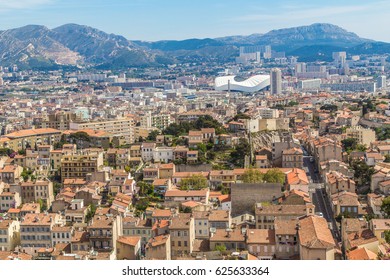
x=181 y=19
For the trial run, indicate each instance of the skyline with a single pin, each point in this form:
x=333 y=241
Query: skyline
x=138 y=19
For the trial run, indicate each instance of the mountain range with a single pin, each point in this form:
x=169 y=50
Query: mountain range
x=38 y=47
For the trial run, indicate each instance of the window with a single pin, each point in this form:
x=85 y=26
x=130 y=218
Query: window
x=179 y=243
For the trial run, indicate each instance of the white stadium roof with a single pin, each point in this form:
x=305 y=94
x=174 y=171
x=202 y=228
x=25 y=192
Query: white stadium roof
x=252 y=84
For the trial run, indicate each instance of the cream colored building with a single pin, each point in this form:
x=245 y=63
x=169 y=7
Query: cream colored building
x=9 y=235
x=34 y=191
x=118 y=127
x=35 y=230
x=128 y=247
x=378 y=227
x=364 y=136
x=158 y=248
x=79 y=164
x=182 y=230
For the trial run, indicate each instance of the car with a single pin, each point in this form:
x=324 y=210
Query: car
x=320 y=214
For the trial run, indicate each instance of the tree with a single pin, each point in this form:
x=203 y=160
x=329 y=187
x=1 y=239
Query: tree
x=385 y=207
x=221 y=248
x=349 y=144
x=387 y=158
x=195 y=182
x=145 y=188
x=274 y=176
x=329 y=107
x=387 y=236
x=363 y=172
x=142 y=204
x=239 y=152
x=252 y=176
x=91 y=212
x=153 y=135
x=42 y=204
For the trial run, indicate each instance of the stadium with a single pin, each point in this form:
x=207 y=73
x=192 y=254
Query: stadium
x=234 y=83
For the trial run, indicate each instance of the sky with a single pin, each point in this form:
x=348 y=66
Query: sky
x=153 y=20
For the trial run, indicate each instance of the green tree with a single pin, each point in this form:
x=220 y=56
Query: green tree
x=387 y=236
x=142 y=204
x=42 y=204
x=145 y=188
x=385 y=207
x=194 y=182
x=363 y=172
x=91 y=212
x=252 y=176
x=239 y=153
x=387 y=158
x=274 y=176
x=153 y=135
x=349 y=144
x=221 y=248
x=329 y=107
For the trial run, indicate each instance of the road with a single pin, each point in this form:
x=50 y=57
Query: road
x=319 y=196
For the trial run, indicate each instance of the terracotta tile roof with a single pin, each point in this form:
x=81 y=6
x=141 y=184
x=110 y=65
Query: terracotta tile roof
x=179 y=193
x=222 y=236
x=181 y=221
x=38 y=219
x=157 y=241
x=190 y=204
x=219 y=215
x=260 y=236
x=129 y=240
x=32 y=132
x=315 y=234
x=297 y=177
x=14 y=256
x=361 y=254
x=381 y=224
x=285 y=227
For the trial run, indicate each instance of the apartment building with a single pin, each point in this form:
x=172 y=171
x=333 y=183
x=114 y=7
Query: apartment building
x=35 y=230
x=104 y=231
x=267 y=214
x=10 y=174
x=292 y=158
x=158 y=248
x=23 y=139
x=37 y=190
x=182 y=231
x=58 y=120
x=364 y=136
x=118 y=158
x=9 y=235
x=117 y=127
x=81 y=163
x=9 y=200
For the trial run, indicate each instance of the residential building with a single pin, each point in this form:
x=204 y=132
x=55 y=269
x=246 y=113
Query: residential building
x=35 y=231
x=182 y=232
x=364 y=136
x=128 y=248
x=104 y=231
x=158 y=248
x=315 y=239
x=81 y=163
x=9 y=234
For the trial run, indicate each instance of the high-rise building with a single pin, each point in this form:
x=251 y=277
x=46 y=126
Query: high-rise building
x=381 y=82
x=300 y=68
x=339 y=58
x=276 y=81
